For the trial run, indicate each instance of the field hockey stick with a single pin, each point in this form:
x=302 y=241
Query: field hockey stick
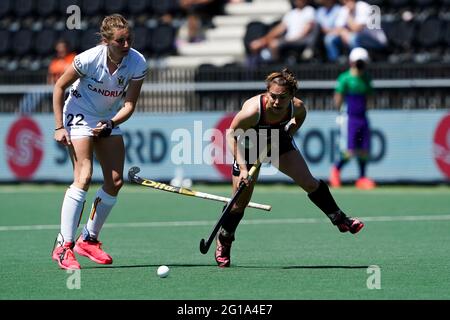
x=133 y=177
x=204 y=245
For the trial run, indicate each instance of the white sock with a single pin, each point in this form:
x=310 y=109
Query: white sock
x=100 y=210
x=71 y=211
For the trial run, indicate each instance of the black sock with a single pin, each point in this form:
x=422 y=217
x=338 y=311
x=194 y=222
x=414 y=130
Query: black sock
x=323 y=199
x=362 y=167
x=231 y=222
x=341 y=163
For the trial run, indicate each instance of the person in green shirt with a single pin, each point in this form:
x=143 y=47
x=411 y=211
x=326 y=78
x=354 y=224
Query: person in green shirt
x=352 y=90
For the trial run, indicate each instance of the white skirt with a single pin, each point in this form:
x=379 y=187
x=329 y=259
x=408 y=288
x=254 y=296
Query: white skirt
x=79 y=124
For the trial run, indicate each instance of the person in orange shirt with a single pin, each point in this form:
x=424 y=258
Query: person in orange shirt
x=64 y=58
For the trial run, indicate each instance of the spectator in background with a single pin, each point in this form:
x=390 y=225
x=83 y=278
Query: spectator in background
x=295 y=29
x=352 y=90
x=59 y=64
x=63 y=59
x=199 y=13
x=326 y=16
x=352 y=30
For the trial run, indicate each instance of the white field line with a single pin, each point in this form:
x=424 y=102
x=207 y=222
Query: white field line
x=245 y=222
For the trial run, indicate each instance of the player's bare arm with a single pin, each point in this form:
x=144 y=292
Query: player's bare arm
x=128 y=108
x=131 y=98
x=298 y=118
x=338 y=99
x=69 y=77
x=262 y=42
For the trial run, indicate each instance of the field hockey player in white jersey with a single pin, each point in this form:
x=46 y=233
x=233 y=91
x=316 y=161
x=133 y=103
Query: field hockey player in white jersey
x=105 y=86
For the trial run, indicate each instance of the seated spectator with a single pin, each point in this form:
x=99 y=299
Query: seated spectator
x=199 y=13
x=352 y=30
x=63 y=59
x=326 y=16
x=295 y=29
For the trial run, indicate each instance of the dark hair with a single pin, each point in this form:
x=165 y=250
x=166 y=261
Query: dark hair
x=63 y=41
x=283 y=78
x=293 y=5
x=360 y=64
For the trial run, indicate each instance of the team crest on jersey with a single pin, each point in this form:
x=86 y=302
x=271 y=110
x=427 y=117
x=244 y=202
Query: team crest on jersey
x=121 y=81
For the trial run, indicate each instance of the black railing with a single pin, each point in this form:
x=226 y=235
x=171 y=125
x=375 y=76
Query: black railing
x=211 y=88
x=235 y=72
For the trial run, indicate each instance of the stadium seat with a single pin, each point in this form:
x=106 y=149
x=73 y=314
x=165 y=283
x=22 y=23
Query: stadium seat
x=73 y=38
x=45 y=42
x=399 y=3
x=206 y=72
x=163 y=39
x=163 y=7
x=116 y=6
x=429 y=33
x=141 y=39
x=23 y=8
x=254 y=30
x=91 y=7
x=5 y=43
x=25 y=62
x=22 y=41
x=229 y=72
x=379 y=3
x=45 y=8
x=446 y=34
x=446 y=42
x=401 y=33
x=136 y=7
x=3 y=62
x=5 y=7
x=89 y=39
x=424 y=3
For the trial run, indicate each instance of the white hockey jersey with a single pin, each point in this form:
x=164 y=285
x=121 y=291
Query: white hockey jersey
x=97 y=92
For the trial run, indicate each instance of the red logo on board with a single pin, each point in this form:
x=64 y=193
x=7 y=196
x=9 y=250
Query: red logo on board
x=442 y=146
x=24 y=144
x=220 y=159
